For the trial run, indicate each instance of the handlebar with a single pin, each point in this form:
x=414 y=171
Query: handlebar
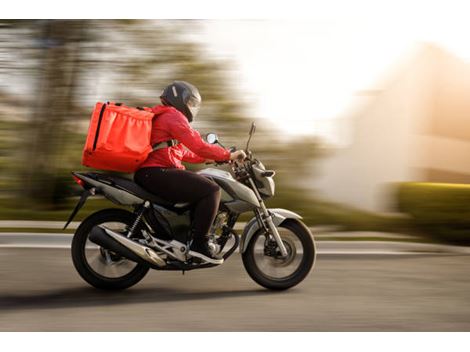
x=238 y=166
x=225 y=162
x=220 y=162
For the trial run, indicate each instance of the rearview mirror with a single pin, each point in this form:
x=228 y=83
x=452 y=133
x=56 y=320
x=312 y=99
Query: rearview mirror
x=212 y=138
x=253 y=128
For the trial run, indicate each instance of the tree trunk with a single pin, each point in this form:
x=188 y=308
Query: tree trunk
x=57 y=76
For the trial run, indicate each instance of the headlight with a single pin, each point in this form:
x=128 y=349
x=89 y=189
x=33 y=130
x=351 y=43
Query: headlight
x=269 y=187
x=264 y=180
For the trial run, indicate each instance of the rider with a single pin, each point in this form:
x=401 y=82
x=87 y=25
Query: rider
x=163 y=173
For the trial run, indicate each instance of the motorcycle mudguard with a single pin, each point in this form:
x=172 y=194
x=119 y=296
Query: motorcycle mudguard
x=279 y=215
x=79 y=205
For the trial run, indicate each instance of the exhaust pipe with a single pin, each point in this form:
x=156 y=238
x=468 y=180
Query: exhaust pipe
x=122 y=245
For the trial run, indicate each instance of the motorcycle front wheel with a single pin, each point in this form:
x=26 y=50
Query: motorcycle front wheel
x=99 y=267
x=265 y=265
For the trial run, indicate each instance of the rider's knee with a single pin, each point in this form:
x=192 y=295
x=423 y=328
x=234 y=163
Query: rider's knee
x=214 y=188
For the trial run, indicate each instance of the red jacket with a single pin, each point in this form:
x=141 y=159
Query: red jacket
x=168 y=124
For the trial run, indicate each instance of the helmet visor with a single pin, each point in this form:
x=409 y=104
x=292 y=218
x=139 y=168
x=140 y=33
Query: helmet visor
x=194 y=104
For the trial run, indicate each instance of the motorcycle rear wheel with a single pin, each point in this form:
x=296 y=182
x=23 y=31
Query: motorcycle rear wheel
x=269 y=269
x=125 y=272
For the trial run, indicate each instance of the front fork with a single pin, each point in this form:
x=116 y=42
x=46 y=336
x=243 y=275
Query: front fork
x=266 y=220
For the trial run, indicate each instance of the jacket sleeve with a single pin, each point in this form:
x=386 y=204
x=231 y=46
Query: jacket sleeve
x=184 y=133
x=191 y=157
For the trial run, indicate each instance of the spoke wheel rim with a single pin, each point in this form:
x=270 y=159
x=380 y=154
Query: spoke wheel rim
x=275 y=267
x=105 y=263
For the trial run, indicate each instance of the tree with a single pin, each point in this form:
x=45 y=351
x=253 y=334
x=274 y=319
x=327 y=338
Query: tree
x=81 y=62
x=58 y=42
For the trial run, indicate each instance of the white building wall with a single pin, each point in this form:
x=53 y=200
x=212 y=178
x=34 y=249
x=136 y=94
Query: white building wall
x=385 y=147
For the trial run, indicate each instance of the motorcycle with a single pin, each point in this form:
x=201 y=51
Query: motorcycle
x=113 y=249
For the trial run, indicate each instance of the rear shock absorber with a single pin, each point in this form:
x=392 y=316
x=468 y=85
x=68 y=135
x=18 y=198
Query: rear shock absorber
x=137 y=219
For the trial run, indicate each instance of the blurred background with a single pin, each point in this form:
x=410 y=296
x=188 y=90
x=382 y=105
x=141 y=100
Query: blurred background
x=363 y=112
x=365 y=121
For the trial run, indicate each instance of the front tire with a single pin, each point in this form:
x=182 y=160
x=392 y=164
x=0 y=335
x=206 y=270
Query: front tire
x=126 y=273
x=268 y=270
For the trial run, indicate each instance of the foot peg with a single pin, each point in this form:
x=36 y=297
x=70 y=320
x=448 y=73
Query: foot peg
x=206 y=258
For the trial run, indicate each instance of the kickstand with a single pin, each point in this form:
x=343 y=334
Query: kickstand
x=182 y=272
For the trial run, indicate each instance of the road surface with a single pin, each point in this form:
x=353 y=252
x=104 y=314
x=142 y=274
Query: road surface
x=40 y=291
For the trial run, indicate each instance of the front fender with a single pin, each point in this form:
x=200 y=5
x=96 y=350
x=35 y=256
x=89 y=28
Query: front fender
x=279 y=215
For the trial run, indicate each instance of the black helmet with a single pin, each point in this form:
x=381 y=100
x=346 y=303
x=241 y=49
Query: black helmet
x=184 y=97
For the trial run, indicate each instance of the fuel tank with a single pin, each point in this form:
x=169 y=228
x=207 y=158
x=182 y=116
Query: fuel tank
x=235 y=196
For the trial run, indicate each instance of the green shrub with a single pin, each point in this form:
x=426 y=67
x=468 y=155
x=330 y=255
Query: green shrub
x=440 y=210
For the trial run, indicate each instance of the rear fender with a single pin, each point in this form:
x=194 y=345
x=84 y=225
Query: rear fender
x=93 y=186
x=83 y=198
x=279 y=216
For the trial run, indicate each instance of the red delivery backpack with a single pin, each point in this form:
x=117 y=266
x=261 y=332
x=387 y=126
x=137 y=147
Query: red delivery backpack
x=118 y=137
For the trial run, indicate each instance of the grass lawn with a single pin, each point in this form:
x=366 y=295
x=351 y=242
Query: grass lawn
x=317 y=212
x=8 y=211
x=352 y=219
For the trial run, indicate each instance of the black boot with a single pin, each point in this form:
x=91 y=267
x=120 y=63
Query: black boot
x=200 y=249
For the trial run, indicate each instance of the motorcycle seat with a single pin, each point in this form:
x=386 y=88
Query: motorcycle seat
x=130 y=186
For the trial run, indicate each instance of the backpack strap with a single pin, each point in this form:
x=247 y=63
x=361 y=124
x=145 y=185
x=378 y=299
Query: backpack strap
x=165 y=144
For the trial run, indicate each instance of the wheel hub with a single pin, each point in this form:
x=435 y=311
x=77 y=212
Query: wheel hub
x=105 y=253
x=272 y=250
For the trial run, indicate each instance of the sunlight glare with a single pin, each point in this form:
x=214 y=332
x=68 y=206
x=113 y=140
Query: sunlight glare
x=303 y=75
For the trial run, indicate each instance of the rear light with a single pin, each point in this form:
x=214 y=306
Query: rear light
x=79 y=181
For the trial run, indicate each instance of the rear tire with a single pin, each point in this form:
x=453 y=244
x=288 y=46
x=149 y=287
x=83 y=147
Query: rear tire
x=79 y=257
x=302 y=233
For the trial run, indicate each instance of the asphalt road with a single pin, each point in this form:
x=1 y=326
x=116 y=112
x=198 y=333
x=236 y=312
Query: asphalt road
x=40 y=291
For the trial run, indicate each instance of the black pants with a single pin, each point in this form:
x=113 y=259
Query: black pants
x=181 y=186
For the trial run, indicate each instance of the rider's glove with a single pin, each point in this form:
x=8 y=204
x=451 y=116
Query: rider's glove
x=238 y=155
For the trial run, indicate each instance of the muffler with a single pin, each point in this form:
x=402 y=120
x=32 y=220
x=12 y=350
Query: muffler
x=124 y=246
